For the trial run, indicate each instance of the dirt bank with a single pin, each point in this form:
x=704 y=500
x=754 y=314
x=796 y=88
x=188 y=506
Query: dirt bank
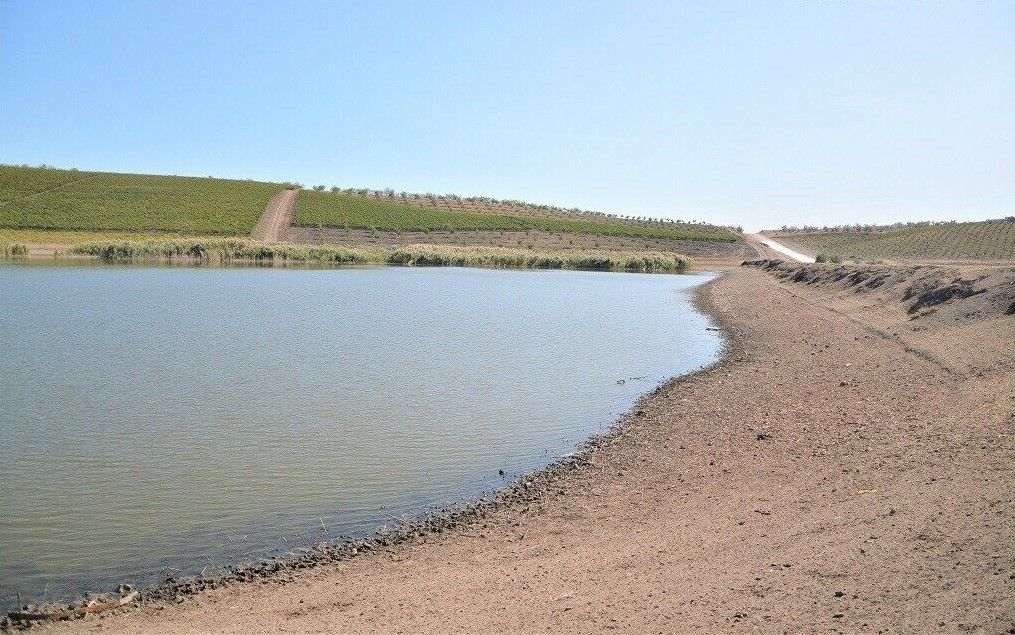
x=949 y=314
x=826 y=476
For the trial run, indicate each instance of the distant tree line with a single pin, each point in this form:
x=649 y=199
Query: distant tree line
x=871 y=228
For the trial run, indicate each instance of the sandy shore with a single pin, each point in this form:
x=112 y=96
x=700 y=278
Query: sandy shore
x=844 y=468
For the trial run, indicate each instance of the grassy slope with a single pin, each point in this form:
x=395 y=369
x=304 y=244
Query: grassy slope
x=16 y=183
x=33 y=198
x=326 y=209
x=960 y=241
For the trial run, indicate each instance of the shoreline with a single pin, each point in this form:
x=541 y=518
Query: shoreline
x=816 y=477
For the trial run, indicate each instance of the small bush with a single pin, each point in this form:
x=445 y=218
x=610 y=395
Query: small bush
x=13 y=250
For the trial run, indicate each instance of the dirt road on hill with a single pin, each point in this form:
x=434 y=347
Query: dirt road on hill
x=778 y=249
x=822 y=478
x=277 y=216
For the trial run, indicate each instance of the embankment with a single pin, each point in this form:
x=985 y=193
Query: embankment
x=952 y=315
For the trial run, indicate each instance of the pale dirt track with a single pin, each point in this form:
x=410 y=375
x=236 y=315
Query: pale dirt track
x=781 y=251
x=277 y=216
x=820 y=479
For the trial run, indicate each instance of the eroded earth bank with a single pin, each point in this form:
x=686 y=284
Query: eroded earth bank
x=846 y=467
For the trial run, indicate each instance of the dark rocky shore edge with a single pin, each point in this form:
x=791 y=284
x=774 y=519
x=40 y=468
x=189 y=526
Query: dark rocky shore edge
x=556 y=478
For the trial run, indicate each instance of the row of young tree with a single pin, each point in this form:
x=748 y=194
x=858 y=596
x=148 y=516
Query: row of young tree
x=435 y=199
x=870 y=228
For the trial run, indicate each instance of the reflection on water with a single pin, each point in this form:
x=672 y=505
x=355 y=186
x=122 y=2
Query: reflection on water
x=193 y=418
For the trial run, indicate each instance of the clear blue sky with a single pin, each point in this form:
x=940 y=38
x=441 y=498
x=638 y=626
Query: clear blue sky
x=751 y=113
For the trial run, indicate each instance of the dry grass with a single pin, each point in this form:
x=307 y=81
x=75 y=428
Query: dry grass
x=227 y=251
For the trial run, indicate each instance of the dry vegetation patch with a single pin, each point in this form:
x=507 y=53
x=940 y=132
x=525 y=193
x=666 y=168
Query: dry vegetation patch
x=237 y=251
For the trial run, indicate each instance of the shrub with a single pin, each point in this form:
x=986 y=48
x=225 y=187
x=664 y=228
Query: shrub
x=14 y=250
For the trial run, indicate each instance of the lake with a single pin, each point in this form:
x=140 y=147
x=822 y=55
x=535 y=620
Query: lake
x=160 y=419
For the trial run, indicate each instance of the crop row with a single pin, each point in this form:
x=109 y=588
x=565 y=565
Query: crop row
x=953 y=241
x=486 y=205
x=327 y=209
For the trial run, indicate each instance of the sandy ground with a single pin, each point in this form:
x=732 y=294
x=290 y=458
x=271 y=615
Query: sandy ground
x=828 y=475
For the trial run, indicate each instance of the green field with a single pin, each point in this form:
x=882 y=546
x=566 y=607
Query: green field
x=327 y=209
x=16 y=183
x=40 y=198
x=993 y=240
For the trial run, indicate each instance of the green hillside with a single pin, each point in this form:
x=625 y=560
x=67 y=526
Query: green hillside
x=42 y=198
x=70 y=200
x=18 y=182
x=989 y=240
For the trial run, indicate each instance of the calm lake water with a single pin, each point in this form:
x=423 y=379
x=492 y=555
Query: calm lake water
x=162 y=419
